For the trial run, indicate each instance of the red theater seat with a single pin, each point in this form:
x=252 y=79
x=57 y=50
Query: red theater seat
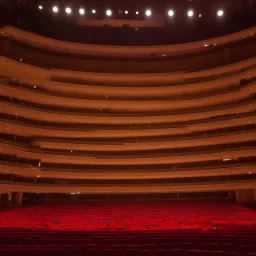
x=228 y=248
x=146 y=253
x=18 y=252
x=252 y=249
x=188 y=246
x=193 y=253
x=119 y=252
x=150 y=247
x=161 y=252
x=176 y=246
x=72 y=252
x=89 y=252
x=214 y=247
x=37 y=252
x=4 y=252
x=26 y=241
x=218 y=253
x=106 y=252
x=56 y=252
x=202 y=246
x=132 y=252
x=42 y=241
x=232 y=254
x=241 y=249
x=162 y=246
x=10 y=241
x=176 y=252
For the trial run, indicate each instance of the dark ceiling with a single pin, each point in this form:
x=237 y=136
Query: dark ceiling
x=239 y=14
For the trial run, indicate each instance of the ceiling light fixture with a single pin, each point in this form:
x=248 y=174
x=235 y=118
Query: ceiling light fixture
x=81 y=11
x=190 y=13
x=55 y=9
x=108 y=12
x=68 y=10
x=170 y=13
x=220 y=13
x=148 y=13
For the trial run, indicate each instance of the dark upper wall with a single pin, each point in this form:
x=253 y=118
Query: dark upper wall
x=238 y=16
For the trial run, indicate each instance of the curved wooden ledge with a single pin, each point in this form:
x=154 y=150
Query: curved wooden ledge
x=13 y=128
x=149 y=145
x=154 y=106
x=72 y=158
x=11 y=68
x=35 y=172
x=130 y=189
x=118 y=51
x=122 y=92
x=60 y=117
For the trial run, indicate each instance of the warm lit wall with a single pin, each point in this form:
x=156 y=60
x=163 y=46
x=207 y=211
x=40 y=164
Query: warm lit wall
x=190 y=57
x=173 y=132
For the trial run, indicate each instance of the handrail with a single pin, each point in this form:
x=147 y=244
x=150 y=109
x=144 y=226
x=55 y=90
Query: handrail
x=120 y=51
x=61 y=117
x=131 y=189
x=26 y=130
x=35 y=172
x=80 y=159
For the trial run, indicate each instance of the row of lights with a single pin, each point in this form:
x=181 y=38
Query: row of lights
x=148 y=12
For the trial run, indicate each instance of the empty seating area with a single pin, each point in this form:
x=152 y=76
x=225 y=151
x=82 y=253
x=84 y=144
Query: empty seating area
x=135 y=126
x=152 y=215
x=182 y=243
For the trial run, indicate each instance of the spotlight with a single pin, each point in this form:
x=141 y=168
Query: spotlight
x=40 y=7
x=170 y=13
x=93 y=11
x=68 y=10
x=190 y=13
x=137 y=12
x=81 y=11
x=220 y=13
x=108 y=12
x=126 y=12
x=55 y=9
x=200 y=15
x=148 y=13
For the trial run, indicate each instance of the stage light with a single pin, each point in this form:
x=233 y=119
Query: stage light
x=68 y=10
x=55 y=9
x=40 y=7
x=200 y=15
x=93 y=11
x=170 y=13
x=148 y=13
x=190 y=13
x=220 y=13
x=81 y=11
x=137 y=12
x=108 y=12
x=126 y=12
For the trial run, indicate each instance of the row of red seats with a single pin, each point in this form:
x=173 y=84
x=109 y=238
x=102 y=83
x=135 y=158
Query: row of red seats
x=131 y=215
x=242 y=249
x=249 y=240
x=109 y=252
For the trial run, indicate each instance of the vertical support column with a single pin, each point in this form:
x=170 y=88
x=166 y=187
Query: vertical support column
x=245 y=196
x=226 y=56
x=17 y=198
x=232 y=195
